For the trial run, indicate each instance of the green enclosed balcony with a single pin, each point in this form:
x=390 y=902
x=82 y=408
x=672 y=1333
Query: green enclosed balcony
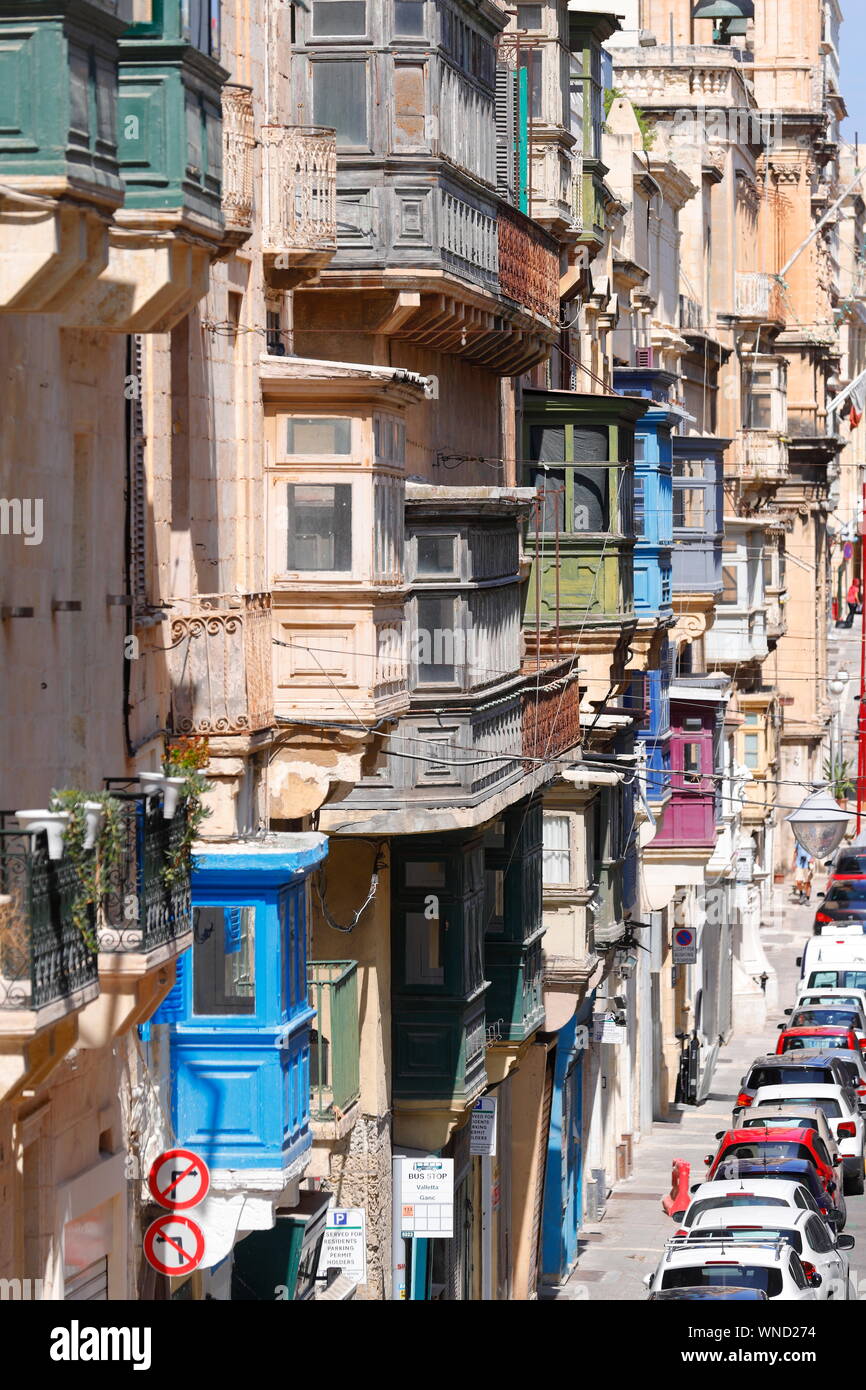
x=578 y=456
x=335 y=1078
x=513 y=928
x=58 y=149
x=438 y=984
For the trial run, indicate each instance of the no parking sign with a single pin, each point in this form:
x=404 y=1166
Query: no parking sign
x=685 y=946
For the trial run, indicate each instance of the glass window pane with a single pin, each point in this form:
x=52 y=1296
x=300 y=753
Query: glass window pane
x=532 y=61
x=730 y=589
x=640 y=443
x=423 y=950
x=319 y=526
x=529 y=16
x=551 y=486
x=556 y=855
x=224 y=960
x=591 y=500
x=638 y=506
x=546 y=444
x=494 y=900
x=340 y=99
x=751 y=750
x=409 y=17
x=310 y=435
x=339 y=17
x=438 y=645
x=435 y=554
x=424 y=873
x=689 y=503
x=691 y=760
x=590 y=446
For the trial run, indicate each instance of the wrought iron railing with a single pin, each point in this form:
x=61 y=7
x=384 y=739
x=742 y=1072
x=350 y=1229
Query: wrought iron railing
x=335 y=1050
x=147 y=900
x=551 y=710
x=528 y=264
x=44 y=956
x=299 y=178
x=221 y=669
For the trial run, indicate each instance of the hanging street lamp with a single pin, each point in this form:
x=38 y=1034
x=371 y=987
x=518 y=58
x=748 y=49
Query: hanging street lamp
x=819 y=825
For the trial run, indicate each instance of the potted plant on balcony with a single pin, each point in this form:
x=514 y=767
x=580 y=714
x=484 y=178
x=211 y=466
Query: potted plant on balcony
x=182 y=768
x=837 y=774
x=50 y=819
x=14 y=946
x=93 y=846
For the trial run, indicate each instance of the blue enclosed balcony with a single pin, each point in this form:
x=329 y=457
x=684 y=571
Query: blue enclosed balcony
x=653 y=489
x=698 y=515
x=240 y=1013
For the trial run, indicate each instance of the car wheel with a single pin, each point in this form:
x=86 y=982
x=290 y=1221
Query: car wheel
x=854 y=1185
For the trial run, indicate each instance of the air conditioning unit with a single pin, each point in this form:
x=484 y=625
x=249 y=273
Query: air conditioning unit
x=644 y=358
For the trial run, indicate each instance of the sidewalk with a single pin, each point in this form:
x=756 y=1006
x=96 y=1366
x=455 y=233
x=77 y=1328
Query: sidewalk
x=616 y=1253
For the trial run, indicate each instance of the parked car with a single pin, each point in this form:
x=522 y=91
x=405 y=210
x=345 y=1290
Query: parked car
x=835 y=952
x=770 y=1266
x=821 y=998
x=734 y=1196
x=849 y=863
x=835 y=976
x=831 y=1205
x=792 y=1116
x=819 y=1249
x=817 y=1040
x=827 y=1015
x=844 y=904
x=769 y=1145
x=818 y=1069
x=840 y=1105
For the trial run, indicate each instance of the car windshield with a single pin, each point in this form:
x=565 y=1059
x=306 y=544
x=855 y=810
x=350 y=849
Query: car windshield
x=820 y=1001
x=751 y=1233
x=786 y=1121
x=790 y=1075
x=723 y=1274
x=831 y=1107
x=824 y=1018
x=773 y=1151
x=817 y=1043
x=844 y=979
x=730 y=1199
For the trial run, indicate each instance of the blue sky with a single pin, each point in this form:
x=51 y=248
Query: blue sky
x=853 y=57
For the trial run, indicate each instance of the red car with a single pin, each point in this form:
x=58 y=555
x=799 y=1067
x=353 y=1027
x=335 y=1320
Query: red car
x=773 y=1146
x=817 y=1039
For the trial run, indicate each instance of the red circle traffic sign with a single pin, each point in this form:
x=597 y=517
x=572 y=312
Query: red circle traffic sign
x=180 y=1241
x=178 y=1179
x=685 y=936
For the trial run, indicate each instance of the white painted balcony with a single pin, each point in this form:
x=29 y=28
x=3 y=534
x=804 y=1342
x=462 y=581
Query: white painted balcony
x=239 y=142
x=761 y=457
x=757 y=296
x=221 y=665
x=299 y=196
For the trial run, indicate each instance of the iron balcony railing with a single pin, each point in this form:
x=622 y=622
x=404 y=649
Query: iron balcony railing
x=335 y=1082
x=44 y=956
x=147 y=902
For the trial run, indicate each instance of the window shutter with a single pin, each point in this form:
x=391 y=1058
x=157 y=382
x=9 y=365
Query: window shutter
x=233 y=930
x=137 y=482
x=506 y=130
x=172 y=1009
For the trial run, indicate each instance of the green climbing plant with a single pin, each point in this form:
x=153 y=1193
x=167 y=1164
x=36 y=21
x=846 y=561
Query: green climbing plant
x=91 y=867
x=647 y=131
x=185 y=758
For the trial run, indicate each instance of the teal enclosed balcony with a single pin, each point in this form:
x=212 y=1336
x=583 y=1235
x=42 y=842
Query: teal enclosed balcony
x=513 y=931
x=58 y=149
x=335 y=1044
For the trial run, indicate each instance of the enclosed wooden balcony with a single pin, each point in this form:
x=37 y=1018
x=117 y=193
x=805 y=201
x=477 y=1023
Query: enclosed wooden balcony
x=221 y=665
x=299 y=192
x=335 y=1084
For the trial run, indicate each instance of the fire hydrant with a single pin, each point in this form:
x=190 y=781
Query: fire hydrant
x=676 y=1201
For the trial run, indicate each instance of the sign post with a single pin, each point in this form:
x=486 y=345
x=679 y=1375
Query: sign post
x=345 y=1243
x=685 y=946
x=482 y=1133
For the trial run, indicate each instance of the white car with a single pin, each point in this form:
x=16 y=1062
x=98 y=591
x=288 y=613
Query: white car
x=785 y=1115
x=737 y=1196
x=717 y=1262
x=841 y=1107
x=820 y=1251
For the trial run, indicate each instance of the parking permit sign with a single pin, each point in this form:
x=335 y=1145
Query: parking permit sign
x=345 y=1243
x=685 y=946
x=427 y=1198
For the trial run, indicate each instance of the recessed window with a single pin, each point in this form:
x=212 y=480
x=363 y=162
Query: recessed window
x=332 y=17
x=340 y=99
x=529 y=16
x=273 y=333
x=223 y=963
x=437 y=642
x=750 y=748
x=319 y=526
x=435 y=554
x=311 y=435
x=409 y=17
